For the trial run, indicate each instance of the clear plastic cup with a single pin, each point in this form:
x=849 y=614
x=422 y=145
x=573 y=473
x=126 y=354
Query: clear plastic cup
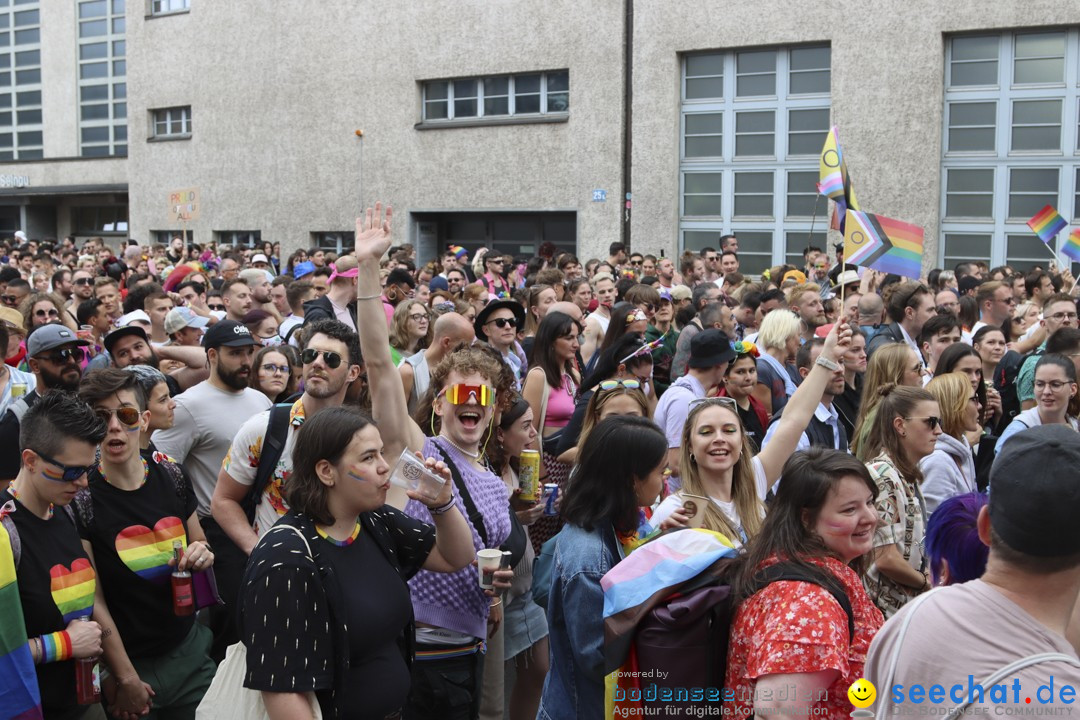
x=412 y=474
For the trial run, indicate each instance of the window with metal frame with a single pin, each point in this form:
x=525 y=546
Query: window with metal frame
x=540 y=93
x=337 y=242
x=172 y=123
x=102 y=78
x=165 y=7
x=1011 y=143
x=753 y=122
x=238 y=238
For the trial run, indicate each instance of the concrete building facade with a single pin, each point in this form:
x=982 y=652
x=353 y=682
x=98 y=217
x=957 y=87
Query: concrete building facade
x=509 y=124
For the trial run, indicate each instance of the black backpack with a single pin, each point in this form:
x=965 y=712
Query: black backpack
x=277 y=431
x=682 y=640
x=1005 y=376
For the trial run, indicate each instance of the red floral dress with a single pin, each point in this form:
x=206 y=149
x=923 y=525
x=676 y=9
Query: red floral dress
x=798 y=627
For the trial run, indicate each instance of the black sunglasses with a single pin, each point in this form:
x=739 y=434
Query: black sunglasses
x=83 y=281
x=931 y=422
x=215 y=307
x=503 y=322
x=332 y=358
x=65 y=355
x=68 y=473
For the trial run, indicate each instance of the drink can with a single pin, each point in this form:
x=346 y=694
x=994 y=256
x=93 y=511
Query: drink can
x=551 y=492
x=18 y=390
x=529 y=475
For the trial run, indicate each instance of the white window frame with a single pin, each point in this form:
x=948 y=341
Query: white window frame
x=115 y=80
x=17 y=150
x=168 y=7
x=238 y=238
x=1003 y=159
x=338 y=242
x=168 y=116
x=787 y=235
x=511 y=98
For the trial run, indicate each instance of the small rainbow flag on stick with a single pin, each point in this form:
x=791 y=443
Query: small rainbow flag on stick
x=1047 y=223
x=1071 y=247
x=884 y=244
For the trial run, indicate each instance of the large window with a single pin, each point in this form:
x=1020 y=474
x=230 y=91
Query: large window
x=335 y=242
x=172 y=123
x=238 y=238
x=753 y=124
x=1012 y=141
x=20 y=80
x=104 y=220
x=546 y=93
x=102 y=78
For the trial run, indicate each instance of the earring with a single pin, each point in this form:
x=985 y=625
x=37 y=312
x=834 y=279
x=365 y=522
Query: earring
x=693 y=459
x=903 y=434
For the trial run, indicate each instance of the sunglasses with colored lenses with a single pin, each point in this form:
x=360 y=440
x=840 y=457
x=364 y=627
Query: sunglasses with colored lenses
x=931 y=422
x=68 y=473
x=331 y=358
x=66 y=355
x=460 y=394
x=126 y=415
x=503 y=322
x=628 y=384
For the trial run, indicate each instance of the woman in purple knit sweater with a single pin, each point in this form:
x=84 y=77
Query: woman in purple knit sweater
x=453 y=613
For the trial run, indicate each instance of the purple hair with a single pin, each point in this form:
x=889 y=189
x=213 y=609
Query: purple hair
x=951 y=535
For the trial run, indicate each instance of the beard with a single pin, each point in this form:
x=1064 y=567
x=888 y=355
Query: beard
x=233 y=378
x=67 y=379
x=329 y=388
x=153 y=361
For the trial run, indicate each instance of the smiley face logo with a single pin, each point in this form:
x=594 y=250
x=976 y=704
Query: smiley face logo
x=862 y=693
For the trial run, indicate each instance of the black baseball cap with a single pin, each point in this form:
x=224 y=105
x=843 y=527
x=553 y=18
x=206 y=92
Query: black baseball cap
x=123 y=332
x=1035 y=499
x=710 y=348
x=227 y=333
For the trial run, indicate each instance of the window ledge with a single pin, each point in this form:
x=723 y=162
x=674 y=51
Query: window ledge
x=168 y=138
x=489 y=121
x=151 y=16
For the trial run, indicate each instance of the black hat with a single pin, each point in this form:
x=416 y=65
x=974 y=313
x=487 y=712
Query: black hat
x=228 y=333
x=482 y=318
x=124 y=332
x=968 y=283
x=1035 y=498
x=710 y=348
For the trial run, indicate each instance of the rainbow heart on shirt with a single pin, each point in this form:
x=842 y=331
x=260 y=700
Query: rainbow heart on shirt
x=73 y=590
x=147 y=552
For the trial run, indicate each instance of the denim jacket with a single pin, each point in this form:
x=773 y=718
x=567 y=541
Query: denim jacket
x=574 y=687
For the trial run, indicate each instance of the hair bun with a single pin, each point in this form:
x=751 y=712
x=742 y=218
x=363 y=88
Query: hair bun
x=886 y=389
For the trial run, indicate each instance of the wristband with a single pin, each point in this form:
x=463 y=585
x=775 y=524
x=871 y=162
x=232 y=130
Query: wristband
x=827 y=363
x=369 y=297
x=442 y=509
x=55 y=647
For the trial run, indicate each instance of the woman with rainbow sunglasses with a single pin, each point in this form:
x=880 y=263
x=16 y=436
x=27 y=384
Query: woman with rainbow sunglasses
x=453 y=613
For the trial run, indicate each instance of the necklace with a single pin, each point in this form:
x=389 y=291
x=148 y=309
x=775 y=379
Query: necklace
x=340 y=543
x=13 y=492
x=466 y=453
x=145 y=472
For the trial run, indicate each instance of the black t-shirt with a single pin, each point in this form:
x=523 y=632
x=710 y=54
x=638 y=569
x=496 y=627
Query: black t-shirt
x=290 y=633
x=10 y=457
x=377 y=681
x=131 y=532
x=56 y=586
x=753 y=428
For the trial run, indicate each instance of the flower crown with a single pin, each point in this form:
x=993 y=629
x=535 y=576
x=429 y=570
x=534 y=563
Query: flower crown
x=745 y=347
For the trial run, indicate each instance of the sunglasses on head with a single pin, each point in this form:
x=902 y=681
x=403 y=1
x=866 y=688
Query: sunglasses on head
x=333 y=359
x=460 y=393
x=722 y=401
x=126 y=415
x=503 y=322
x=68 y=473
x=613 y=384
x=62 y=356
x=931 y=421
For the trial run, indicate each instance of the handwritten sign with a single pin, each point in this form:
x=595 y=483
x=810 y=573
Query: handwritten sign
x=184 y=204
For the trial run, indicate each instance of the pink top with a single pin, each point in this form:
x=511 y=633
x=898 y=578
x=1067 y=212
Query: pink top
x=560 y=404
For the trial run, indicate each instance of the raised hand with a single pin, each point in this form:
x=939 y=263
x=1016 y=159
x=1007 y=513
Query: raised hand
x=373 y=233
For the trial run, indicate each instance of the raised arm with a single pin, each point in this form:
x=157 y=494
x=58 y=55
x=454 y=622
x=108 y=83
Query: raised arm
x=800 y=408
x=388 y=403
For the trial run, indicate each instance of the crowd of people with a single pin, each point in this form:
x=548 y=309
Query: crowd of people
x=212 y=458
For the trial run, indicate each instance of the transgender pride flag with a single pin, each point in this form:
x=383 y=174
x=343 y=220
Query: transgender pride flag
x=19 y=695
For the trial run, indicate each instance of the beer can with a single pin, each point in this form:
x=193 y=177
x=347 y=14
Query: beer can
x=529 y=475
x=18 y=390
x=551 y=492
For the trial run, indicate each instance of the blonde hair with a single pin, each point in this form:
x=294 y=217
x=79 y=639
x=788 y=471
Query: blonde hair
x=596 y=405
x=895 y=401
x=399 y=327
x=953 y=393
x=777 y=327
x=888 y=365
x=743 y=487
x=797 y=294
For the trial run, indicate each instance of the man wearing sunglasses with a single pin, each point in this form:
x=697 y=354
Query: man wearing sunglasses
x=59 y=445
x=55 y=358
x=206 y=419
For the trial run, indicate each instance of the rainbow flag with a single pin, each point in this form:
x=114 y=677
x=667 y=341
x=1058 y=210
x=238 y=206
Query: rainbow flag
x=20 y=698
x=1047 y=224
x=834 y=181
x=884 y=244
x=1071 y=247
